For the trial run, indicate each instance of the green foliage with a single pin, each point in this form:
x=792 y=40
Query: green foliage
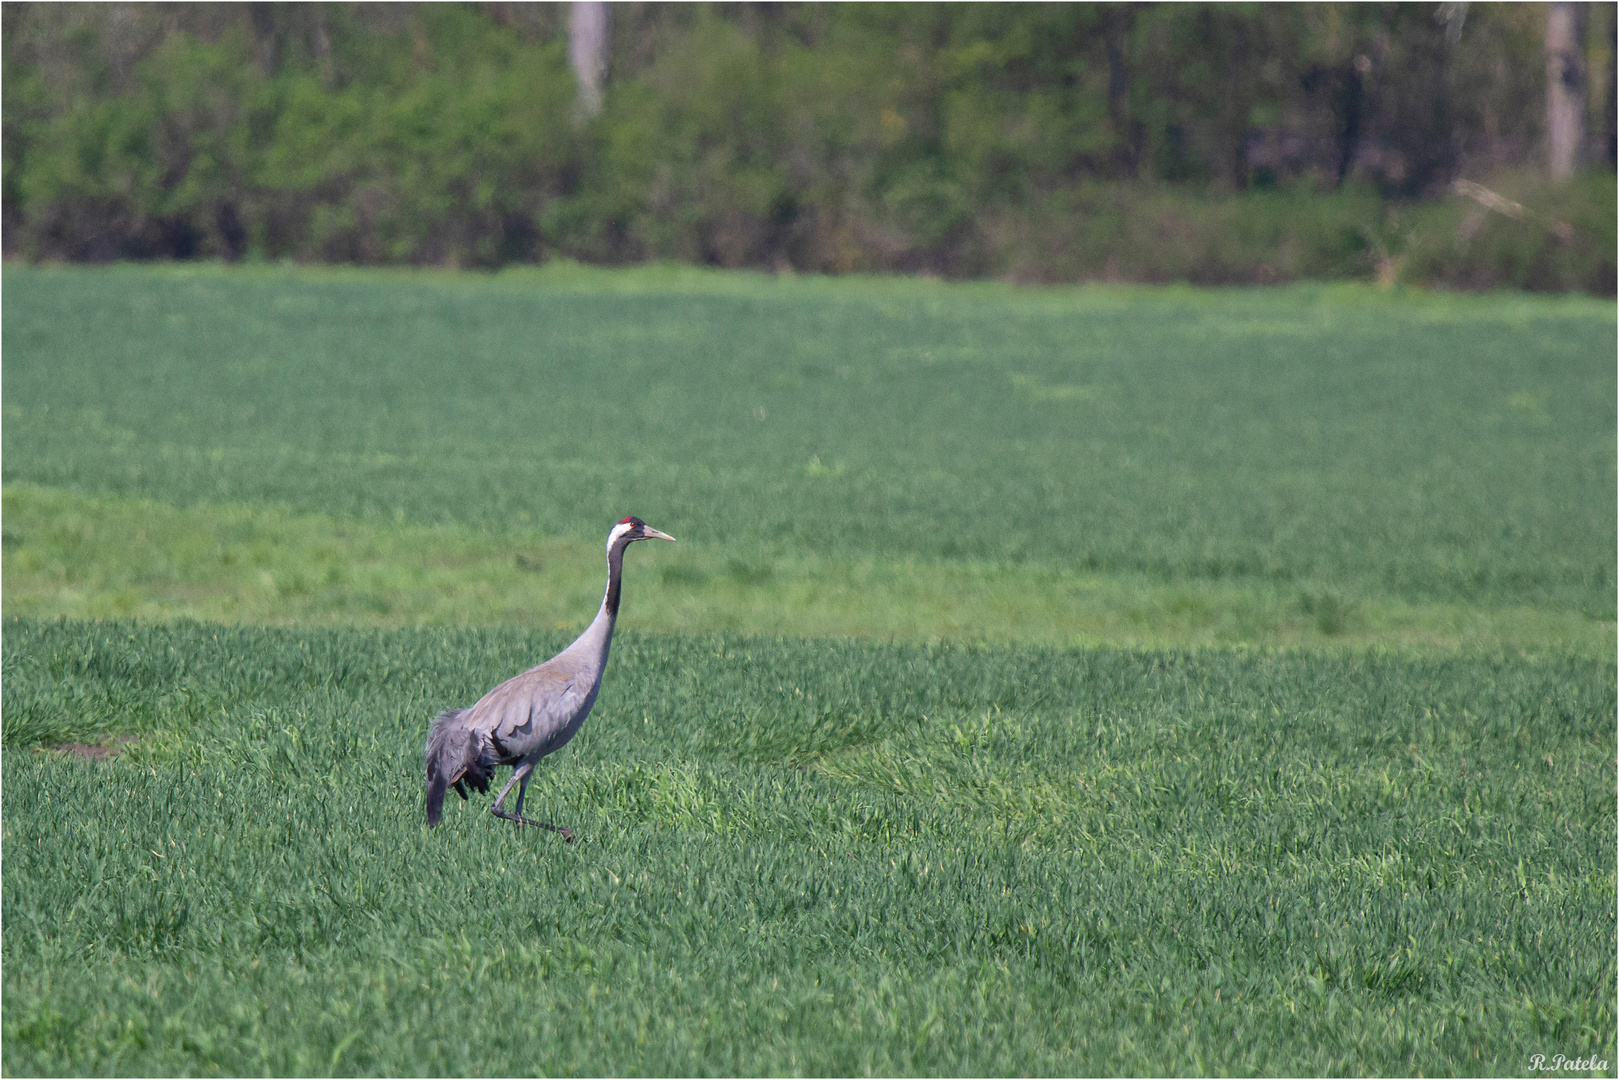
x=1416 y=448
x=208 y=155
x=809 y=857
x=1153 y=232
x=964 y=140
x=1563 y=239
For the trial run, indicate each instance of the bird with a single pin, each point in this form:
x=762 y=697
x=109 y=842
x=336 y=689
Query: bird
x=529 y=715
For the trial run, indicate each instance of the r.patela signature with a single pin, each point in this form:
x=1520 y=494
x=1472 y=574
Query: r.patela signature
x=1560 y=1063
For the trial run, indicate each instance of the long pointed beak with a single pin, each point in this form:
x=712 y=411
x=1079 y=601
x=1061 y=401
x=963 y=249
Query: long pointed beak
x=649 y=533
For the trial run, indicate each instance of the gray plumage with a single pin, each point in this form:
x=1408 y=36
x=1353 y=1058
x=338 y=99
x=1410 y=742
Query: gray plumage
x=529 y=715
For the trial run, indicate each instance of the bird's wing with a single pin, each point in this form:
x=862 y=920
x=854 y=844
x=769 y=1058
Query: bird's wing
x=529 y=711
x=454 y=753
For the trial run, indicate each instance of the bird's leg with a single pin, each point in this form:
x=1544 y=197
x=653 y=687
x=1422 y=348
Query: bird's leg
x=517 y=774
x=520 y=777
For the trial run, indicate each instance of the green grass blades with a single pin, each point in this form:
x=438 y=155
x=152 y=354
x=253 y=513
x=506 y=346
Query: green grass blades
x=79 y=556
x=808 y=857
x=939 y=838
x=1420 y=448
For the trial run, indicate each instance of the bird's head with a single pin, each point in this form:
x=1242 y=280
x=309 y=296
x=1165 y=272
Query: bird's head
x=632 y=529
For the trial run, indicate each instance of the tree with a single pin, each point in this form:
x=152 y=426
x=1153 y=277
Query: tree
x=1565 y=89
x=587 y=52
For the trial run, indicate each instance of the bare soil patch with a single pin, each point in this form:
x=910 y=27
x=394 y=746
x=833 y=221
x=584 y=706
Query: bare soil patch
x=97 y=752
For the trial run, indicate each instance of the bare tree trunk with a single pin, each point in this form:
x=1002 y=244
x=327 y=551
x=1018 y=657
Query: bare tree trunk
x=1565 y=90
x=1118 y=20
x=587 y=52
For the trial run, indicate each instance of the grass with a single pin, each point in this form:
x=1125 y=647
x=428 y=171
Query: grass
x=810 y=857
x=1046 y=682
x=81 y=556
x=1451 y=449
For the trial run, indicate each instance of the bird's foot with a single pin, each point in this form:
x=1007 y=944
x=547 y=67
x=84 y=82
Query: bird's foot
x=566 y=834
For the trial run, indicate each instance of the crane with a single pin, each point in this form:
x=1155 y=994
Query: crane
x=529 y=715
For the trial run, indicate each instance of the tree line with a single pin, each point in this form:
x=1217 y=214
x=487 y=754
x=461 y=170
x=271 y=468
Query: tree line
x=1209 y=143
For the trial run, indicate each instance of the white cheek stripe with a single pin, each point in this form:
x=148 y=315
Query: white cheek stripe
x=618 y=530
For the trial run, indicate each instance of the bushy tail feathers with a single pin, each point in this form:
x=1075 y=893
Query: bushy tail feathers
x=452 y=757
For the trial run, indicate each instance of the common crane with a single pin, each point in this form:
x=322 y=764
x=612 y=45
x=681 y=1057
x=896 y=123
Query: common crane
x=529 y=715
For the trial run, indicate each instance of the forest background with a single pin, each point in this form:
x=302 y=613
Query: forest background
x=1451 y=145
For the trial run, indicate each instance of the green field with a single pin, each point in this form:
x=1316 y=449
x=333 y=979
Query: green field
x=1057 y=682
x=1432 y=448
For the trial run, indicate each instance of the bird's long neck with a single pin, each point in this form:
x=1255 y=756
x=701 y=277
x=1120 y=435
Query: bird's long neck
x=615 y=577
x=599 y=634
